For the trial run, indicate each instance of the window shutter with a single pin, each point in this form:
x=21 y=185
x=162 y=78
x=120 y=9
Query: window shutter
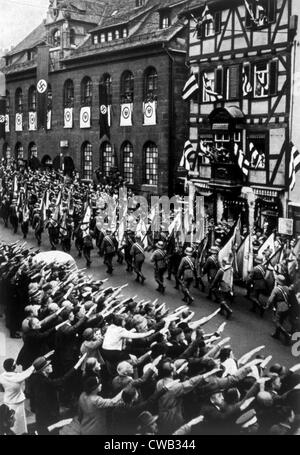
x=218 y=22
x=219 y=81
x=234 y=82
x=273 y=69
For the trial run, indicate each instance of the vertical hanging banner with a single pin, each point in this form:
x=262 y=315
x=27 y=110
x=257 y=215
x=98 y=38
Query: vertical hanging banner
x=149 y=109
x=49 y=120
x=126 y=114
x=68 y=117
x=7 y=126
x=42 y=86
x=85 y=117
x=32 y=124
x=2 y=117
x=19 y=122
x=104 y=116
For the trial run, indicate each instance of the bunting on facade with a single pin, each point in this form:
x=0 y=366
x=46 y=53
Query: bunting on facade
x=242 y=160
x=149 y=109
x=126 y=114
x=32 y=121
x=85 y=117
x=214 y=96
x=189 y=157
x=104 y=116
x=190 y=87
x=68 y=117
x=19 y=122
x=2 y=118
x=294 y=165
x=7 y=125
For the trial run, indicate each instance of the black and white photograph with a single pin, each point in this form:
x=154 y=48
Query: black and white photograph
x=149 y=220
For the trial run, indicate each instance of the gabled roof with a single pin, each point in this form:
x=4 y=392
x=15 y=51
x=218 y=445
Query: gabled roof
x=37 y=36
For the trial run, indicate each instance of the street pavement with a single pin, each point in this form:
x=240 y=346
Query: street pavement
x=246 y=329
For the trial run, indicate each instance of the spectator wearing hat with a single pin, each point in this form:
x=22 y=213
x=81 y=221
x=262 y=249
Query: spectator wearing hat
x=93 y=408
x=7 y=421
x=13 y=385
x=147 y=424
x=187 y=274
x=159 y=259
x=91 y=346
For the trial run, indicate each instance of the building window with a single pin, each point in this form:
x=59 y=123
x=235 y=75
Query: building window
x=19 y=101
x=237 y=137
x=19 y=151
x=107 y=81
x=109 y=36
x=165 y=22
x=127 y=87
x=151 y=84
x=6 y=152
x=261 y=80
x=87 y=161
x=257 y=146
x=30 y=55
x=151 y=164
x=7 y=102
x=68 y=94
x=260 y=14
x=125 y=32
x=139 y=3
x=128 y=166
x=56 y=38
x=32 y=99
x=102 y=38
x=95 y=39
x=108 y=158
x=32 y=151
x=209 y=28
x=117 y=34
x=72 y=37
x=86 y=92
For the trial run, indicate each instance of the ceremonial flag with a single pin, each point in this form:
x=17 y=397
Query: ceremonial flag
x=247 y=86
x=32 y=121
x=229 y=248
x=2 y=117
x=68 y=117
x=143 y=231
x=213 y=96
x=19 y=122
x=250 y=11
x=85 y=117
x=268 y=246
x=189 y=157
x=272 y=262
x=25 y=212
x=244 y=258
x=15 y=186
x=42 y=86
x=104 y=112
x=85 y=225
x=205 y=151
x=176 y=223
x=257 y=158
x=149 y=109
x=190 y=87
x=294 y=165
x=63 y=225
x=126 y=114
x=242 y=160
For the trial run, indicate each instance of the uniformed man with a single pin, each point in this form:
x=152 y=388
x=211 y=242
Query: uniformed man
x=13 y=215
x=279 y=301
x=211 y=267
x=257 y=284
x=137 y=253
x=53 y=232
x=108 y=249
x=187 y=274
x=222 y=286
x=159 y=259
x=127 y=245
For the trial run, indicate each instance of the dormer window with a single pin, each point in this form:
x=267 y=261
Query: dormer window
x=56 y=38
x=109 y=36
x=95 y=39
x=102 y=38
x=165 y=22
x=117 y=34
x=125 y=32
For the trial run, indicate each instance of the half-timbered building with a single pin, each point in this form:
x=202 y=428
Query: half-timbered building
x=240 y=118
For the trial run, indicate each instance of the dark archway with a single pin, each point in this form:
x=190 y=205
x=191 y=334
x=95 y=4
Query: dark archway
x=46 y=162
x=69 y=167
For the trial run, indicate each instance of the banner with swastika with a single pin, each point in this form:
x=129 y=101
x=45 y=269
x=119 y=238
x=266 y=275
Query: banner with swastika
x=2 y=117
x=42 y=86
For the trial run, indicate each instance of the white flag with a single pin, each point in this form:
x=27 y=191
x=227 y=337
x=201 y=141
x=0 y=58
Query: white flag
x=7 y=123
x=267 y=247
x=68 y=117
x=32 y=121
x=85 y=117
x=126 y=114
x=49 y=120
x=19 y=122
x=149 y=109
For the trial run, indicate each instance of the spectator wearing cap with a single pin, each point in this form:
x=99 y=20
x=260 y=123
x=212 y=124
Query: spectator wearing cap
x=93 y=408
x=13 y=385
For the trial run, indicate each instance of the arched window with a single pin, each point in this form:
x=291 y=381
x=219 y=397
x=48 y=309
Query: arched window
x=19 y=151
x=49 y=98
x=107 y=81
x=68 y=94
x=151 y=163
x=6 y=152
x=150 y=84
x=32 y=151
x=32 y=99
x=56 y=38
x=128 y=166
x=108 y=158
x=127 y=87
x=86 y=91
x=19 y=101
x=87 y=161
x=72 y=37
x=7 y=102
